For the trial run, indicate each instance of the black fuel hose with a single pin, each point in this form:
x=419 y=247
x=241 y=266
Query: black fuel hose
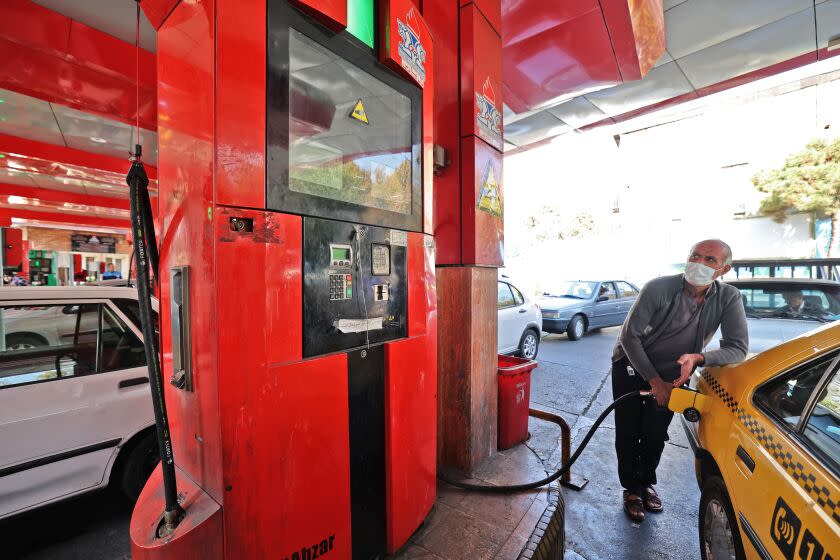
x=144 y=240
x=563 y=468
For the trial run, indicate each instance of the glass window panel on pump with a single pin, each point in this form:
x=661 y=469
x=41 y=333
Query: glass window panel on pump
x=350 y=133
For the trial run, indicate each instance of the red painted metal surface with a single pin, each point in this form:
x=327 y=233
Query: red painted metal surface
x=287 y=456
x=8 y=212
x=265 y=434
x=415 y=264
x=188 y=237
x=332 y=13
x=241 y=118
x=554 y=49
x=442 y=17
x=61 y=207
x=481 y=78
x=483 y=230
x=158 y=10
x=490 y=9
x=637 y=30
x=13 y=248
x=49 y=195
x=405 y=39
x=411 y=402
x=59 y=161
x=428 y=127
x=410 y=437
x=198 y=537
x=52 y=57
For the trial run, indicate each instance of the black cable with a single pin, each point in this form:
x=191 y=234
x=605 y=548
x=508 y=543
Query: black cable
x=563 y=468
x=138 y=181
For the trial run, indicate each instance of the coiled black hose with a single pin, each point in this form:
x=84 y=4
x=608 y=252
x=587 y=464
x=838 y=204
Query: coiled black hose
x=563 y=468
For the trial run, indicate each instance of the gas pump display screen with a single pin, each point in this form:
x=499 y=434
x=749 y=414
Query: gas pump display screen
x=362 y=154
x=343 y=130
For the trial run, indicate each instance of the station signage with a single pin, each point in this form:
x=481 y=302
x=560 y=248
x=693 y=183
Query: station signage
x=407 y=41
x=84 y=243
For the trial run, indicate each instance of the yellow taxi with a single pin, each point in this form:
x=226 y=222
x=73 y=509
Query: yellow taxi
x=767 y=450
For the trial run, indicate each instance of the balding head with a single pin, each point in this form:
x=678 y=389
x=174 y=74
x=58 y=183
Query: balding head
x=714 y=246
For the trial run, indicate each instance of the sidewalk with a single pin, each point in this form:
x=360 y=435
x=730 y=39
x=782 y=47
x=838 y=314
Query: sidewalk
x=478 y=526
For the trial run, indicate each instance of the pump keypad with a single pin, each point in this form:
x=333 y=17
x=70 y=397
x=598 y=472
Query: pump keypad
x=341 y=287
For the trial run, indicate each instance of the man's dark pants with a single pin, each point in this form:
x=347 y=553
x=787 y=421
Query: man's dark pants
x=641 y=430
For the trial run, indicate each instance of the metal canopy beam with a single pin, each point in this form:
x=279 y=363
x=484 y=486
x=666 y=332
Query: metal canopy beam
x=49 y=56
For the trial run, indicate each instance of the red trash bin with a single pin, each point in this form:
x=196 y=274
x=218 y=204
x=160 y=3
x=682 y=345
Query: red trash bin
x=514 y=399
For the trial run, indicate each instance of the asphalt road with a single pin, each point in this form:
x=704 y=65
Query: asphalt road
x=572 y=380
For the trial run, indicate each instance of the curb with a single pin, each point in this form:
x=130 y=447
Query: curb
x=548 y=540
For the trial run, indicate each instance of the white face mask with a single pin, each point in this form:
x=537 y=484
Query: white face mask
x=699 y=275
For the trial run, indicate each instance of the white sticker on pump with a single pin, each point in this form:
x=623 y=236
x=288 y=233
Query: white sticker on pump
x=358 y=325
x=398 y=237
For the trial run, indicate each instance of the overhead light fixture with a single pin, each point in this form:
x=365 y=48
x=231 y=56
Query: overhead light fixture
x=13 y=199
x=833 y=43
x=98 y=140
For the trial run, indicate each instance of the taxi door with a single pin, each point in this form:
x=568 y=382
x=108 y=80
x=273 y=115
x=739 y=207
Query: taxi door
x=783 y=492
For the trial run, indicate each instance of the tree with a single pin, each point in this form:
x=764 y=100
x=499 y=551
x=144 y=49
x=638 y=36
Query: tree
x=809 y=181
x=553 y=224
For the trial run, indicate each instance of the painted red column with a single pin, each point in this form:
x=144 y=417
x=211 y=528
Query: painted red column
x=469 y=230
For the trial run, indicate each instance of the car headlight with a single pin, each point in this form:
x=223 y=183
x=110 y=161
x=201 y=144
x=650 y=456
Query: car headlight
x=551 y=314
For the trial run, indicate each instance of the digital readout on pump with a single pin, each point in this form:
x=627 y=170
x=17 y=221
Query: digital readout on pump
x=341 y=256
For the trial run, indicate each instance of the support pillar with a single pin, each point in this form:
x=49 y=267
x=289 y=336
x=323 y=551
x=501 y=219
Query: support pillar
x=468 y=224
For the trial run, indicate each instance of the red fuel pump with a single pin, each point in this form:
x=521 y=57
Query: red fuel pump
x=298 y=305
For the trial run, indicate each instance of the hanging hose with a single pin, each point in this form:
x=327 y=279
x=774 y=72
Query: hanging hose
x=144 y=241
x=563 y=468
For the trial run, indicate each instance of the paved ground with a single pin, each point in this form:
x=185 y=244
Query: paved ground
x=572 y=380
x=91 y=527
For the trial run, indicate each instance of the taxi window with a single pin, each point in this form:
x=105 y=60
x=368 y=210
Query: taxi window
x=823 y=426
x=786 y=397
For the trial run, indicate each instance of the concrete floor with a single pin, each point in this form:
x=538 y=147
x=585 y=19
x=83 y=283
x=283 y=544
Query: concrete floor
x=572 y=380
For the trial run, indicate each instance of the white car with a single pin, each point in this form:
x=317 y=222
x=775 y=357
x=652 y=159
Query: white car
x=75 y=406
x=520 y=321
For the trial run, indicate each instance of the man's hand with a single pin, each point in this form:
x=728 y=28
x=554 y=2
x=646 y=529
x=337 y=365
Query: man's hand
x=661 y=391
x=688 y=362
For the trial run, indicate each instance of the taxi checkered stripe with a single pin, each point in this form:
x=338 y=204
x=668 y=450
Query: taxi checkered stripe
x=793 y=468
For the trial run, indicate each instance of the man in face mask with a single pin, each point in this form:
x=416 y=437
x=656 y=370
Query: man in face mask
x=660 y=345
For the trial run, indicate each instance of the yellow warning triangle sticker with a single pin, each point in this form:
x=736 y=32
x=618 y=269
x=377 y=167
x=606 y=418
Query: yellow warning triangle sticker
x=489 y=199
x=359 y=112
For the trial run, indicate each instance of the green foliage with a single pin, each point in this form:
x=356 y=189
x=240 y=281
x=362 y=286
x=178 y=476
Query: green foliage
x=809 y=181
x=388 y=189
x=553 y=224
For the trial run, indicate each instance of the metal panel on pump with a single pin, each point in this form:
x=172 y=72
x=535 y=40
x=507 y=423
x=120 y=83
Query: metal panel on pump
x=347 y=157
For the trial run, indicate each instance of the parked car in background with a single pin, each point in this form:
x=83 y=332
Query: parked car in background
x=75 y=407
x=779 y=309
x=520 y=322
x=577 y=306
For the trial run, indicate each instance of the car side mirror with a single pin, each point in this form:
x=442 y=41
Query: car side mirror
x=602 y=298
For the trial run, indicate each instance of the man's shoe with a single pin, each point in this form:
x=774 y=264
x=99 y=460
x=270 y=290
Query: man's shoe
x=633 y=507
x=652 y=502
